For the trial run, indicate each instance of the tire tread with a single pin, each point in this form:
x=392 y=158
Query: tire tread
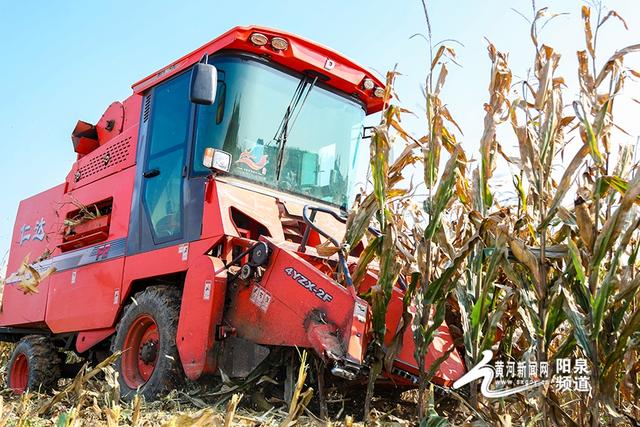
x=44 y=362
x=166 y=299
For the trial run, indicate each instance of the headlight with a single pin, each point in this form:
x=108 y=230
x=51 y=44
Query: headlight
x=216 y=159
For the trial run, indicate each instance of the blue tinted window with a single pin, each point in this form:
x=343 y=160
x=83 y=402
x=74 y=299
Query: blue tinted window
x=167 y=143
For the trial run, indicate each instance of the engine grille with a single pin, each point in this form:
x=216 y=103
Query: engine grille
x=116 y=153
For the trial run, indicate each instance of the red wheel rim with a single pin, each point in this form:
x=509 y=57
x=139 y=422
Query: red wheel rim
x=140 y=351
x=19 y=375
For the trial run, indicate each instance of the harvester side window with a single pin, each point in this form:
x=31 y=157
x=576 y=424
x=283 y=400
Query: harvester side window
x=168 y=134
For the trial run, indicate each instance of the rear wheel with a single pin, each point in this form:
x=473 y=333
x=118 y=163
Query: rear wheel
x=34 y=365
x=146 y=336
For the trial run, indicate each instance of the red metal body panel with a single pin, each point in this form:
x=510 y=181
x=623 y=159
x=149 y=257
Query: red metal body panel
x=31 y=243
x=111 y=123
x=72 y=309
x=204 y=295
x=168 y=260
x=212 y=218
x=17 y=310
x=121 y=154
x=449 y=371
x=88 y=339
x=159 y=262
x=260 y=207
x=85 y=298
x=259 y=203
x=117 y=186
x=280 y=315
x=88 y=297
x=30 y=211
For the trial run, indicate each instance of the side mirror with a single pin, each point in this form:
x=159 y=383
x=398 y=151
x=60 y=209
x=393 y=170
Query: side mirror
x=216 y=160
x=203 y=84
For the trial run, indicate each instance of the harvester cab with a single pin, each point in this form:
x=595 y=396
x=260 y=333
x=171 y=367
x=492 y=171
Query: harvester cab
x=186 y=233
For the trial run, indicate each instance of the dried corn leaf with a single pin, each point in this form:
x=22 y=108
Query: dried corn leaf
x=588 y=32
x=616 y=58
x=587 y=133
x=526 y=257
x=585 y=223
x=204 y=418
x=327 y=249
x=565 y=183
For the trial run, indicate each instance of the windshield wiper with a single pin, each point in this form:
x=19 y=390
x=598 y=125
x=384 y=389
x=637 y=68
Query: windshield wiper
x=298 y=100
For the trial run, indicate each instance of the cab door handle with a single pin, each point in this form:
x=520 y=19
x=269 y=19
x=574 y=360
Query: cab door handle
x=151 y=173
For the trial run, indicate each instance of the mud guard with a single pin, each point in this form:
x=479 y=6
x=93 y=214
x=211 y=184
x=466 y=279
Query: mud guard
x=201 y=312
x=87 y=339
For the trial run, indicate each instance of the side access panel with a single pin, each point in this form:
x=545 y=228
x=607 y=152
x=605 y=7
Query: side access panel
x=85 y=291
x=202 y=308
x=21 y=309
x=35 y=233
x=85 y=298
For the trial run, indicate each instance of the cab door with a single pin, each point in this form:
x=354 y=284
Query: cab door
x=167 y=206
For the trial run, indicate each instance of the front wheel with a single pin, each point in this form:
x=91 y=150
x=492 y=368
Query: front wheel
x=146 y=336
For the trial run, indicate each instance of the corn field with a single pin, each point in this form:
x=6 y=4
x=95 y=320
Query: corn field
x=535 y=278
x=549 y=275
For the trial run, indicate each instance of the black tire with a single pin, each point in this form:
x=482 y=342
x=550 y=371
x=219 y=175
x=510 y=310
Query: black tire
x=162 y=305
x=34 y=365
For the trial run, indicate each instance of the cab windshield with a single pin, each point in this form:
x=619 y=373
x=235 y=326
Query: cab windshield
x=318 y=156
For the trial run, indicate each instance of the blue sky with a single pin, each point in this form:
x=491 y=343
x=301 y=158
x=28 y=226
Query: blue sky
x=64 y=61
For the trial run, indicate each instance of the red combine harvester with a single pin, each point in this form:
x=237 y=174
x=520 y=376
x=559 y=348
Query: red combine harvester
x=185 y=233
